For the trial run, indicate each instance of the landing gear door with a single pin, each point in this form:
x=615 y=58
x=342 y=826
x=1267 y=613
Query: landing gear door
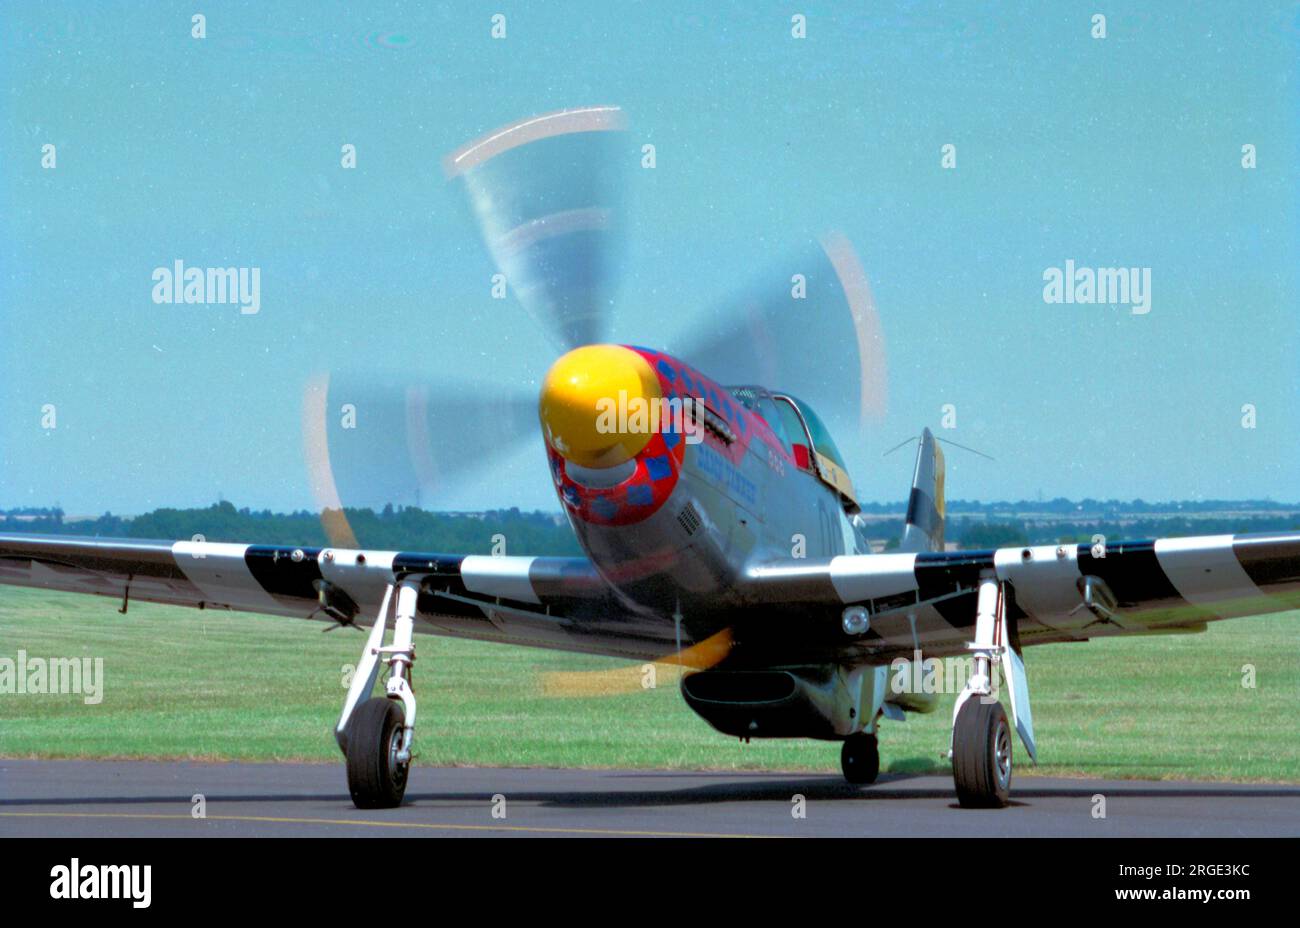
x=1013 y=673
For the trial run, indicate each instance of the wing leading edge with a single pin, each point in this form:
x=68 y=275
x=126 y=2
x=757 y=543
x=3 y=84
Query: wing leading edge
x=554 y=602
x=927 y=601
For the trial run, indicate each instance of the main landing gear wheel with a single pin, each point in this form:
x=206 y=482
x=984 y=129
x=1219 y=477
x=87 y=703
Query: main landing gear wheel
x=376 y=779
x=860 y=759
x=981 y=755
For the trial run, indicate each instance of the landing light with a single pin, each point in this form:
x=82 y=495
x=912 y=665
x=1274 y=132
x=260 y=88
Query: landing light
x=856 y=620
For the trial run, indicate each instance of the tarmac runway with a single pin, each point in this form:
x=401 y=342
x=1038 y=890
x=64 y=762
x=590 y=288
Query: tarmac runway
x=145 y=798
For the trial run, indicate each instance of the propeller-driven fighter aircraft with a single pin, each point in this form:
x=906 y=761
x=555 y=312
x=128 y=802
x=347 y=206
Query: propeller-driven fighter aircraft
x=718 y=522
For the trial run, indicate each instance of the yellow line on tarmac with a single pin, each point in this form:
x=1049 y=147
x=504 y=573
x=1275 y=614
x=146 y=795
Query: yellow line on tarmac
x=434 y=826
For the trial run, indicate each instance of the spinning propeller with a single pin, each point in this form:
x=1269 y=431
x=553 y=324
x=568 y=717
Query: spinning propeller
x=545 y=193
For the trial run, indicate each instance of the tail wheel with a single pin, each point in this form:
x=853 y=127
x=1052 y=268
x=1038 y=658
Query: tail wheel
x=860 y=758
x=981 y=755
x=375 y=777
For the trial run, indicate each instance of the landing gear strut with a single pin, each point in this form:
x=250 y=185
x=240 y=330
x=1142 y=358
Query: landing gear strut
x=375 y=735
x=981 y=734
x=860 y=758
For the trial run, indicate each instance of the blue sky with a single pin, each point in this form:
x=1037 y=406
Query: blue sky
x=225 y=151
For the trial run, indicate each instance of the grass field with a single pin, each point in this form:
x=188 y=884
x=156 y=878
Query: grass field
x=180 y=683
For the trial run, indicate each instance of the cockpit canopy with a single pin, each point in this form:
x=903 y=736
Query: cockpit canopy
x=804 y=435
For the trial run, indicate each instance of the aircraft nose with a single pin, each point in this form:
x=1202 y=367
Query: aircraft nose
x=588 y=404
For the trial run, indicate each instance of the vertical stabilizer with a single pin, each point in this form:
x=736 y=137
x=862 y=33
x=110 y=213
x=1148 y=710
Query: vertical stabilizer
x=924 y=528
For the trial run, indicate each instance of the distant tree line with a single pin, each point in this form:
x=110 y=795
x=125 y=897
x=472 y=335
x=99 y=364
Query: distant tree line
x=1062 y=506
x=513 y=531
x=975 y=533
x=510 y=531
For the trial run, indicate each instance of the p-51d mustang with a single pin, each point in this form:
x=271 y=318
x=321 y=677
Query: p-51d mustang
x=733 y=541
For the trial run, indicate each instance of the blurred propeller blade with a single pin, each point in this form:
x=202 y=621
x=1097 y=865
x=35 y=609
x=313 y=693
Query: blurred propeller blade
x=368 y=443
x=632 y=678
x=544 y=191
x=809 y=328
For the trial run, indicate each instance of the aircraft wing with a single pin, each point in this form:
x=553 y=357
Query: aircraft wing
x=558 y=602
x=1053 y=593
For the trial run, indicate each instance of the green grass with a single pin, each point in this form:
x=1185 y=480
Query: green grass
x=222 y=686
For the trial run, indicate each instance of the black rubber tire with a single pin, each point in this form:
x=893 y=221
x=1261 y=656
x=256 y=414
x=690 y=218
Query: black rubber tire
x=860 y=759
x=375 y=779
x=981 y=755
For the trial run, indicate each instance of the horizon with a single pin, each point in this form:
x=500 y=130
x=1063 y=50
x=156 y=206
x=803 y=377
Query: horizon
x=954 y=506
